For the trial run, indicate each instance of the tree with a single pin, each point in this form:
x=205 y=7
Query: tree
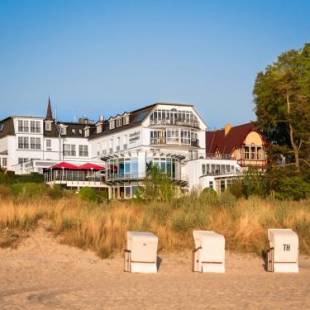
x=157 y=185
x=282 y=98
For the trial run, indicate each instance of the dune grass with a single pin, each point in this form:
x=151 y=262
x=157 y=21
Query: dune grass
x=102 y=227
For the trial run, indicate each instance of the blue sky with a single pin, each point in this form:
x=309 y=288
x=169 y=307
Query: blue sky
x=106 y=57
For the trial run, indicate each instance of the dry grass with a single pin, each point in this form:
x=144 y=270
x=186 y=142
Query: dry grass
x=102 y=227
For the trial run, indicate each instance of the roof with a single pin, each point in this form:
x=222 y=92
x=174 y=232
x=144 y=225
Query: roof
x=136 y=118
x=74 y=130
x=7 y=127
x=90 y=166
x=64 y=165
x=217 y=141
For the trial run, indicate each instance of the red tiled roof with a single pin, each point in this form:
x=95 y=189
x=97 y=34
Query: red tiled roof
x=216 y=141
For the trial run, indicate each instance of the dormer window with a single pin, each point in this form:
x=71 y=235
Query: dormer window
x=118 y=122
x=48 y=125
x=99 y=128
x=112 y=123
x=73 y=130
x=63 y=130
x=86 y=130
x=126 y=119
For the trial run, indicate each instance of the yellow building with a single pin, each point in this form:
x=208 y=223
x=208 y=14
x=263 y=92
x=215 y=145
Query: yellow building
x=243 y=143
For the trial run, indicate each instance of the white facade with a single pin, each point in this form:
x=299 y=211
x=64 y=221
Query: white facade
x=171 y=136
x=29 y=150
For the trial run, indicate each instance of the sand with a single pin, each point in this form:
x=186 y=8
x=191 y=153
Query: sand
x=43 y=274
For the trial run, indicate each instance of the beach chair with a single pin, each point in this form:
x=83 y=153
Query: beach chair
x=209 y=251
x=141 y=252
x=282 y=255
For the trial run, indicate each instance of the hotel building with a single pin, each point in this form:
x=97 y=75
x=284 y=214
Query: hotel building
x=169 y=135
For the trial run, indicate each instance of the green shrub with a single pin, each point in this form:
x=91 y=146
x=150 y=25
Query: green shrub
x=209 y=196
x=28 y=178
x=55 y=192
x=28 y=190
x=292 y=188
x=90 y=194
x=254 y=183
x=227 y=198
x=4 y=178
x=236 y=188
x=157 y=186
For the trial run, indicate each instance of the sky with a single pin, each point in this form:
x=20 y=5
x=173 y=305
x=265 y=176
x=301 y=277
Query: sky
x=107 y=57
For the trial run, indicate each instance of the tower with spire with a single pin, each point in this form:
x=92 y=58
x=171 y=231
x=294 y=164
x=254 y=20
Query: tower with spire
x=49 y=113
x=49 y=119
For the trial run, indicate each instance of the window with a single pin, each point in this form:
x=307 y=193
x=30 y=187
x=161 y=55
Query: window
x=63 y=130
x=22 y=160
x=126 y=119
x=203 y=168
x=99 y=128
x=253 y=152
x=86 y=131
x=35 y=143
x=118 y=122
x=23 y=126
x=122 y=168
x=174 y=117
x=112 y=123
x=1 y=127
x=69 y=150
x=246 y=152
x=48 y=143
x=83 y=150
x=185 y=136
x=127 y=192
x=223 y=186
x=35 y=126
x=125 y=142
x=23 y=143
x=169 y=166
x=172 y=135
x=4 y=162
x=48 y=125
x=211 y=184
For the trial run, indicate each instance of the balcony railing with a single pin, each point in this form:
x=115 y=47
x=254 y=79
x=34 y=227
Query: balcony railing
x=176 y=123
x=174 y=141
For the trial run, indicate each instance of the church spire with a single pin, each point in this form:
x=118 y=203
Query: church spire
x=49 y=113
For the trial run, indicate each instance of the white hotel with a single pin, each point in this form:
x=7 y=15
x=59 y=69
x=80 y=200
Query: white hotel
x=170 y=135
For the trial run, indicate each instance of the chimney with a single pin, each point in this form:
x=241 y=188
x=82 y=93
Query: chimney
x=227 y=128
x=101 y=118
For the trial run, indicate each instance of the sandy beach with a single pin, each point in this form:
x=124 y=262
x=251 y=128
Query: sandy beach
x=44 y=274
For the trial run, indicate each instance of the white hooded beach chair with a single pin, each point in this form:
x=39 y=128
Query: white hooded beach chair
x=209 y=251
x=282 y=255
x=141 y=252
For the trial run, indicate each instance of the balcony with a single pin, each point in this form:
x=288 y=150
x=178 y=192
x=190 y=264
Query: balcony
x=174 y=141
x=163 y=122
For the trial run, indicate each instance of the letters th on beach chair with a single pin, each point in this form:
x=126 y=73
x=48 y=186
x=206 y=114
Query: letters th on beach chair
x=209 y=251
x=282 y=255
x=141 y=252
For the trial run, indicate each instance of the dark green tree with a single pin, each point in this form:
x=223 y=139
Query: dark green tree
x=282 y=99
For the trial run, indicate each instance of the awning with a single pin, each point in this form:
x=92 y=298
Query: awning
x=64 y=165
x=90 y=166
